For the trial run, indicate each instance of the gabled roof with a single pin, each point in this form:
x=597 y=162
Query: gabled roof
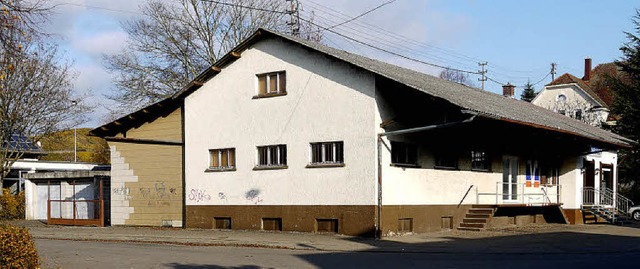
x=486 y=104
x=567 y=78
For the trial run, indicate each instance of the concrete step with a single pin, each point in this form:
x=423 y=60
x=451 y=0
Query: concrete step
x=470 y=229
x=475 y=220
x=481 y=211
x=472 y=225
x=483 y=206
x=477 y=216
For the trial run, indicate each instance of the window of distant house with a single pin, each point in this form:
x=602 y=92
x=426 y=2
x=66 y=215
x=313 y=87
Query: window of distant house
x=272 y=84
x=274 y=156
x=222 y=159
x=578 y=114
x=327 y=154
x=446 y=160
x=480 y=161
x=562 y=112
x=561 y=98
x=404 y=154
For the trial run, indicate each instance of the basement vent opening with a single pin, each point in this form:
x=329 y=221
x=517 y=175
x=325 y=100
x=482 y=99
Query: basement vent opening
x=222 y=223
x=326 y=225
x=446 y=223
x=272 y=224
x=405 y=225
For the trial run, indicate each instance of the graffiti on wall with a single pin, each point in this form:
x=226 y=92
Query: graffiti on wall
x=198 y=195
x=253 y=195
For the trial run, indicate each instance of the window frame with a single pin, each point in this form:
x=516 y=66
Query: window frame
x=230 y=158
x=281 y=84
x=486 y=160
x=440 y=155
x=280 y=154
x=410 y=151
x=337 y=152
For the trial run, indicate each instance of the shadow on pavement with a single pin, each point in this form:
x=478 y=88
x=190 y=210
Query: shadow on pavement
x=201 y=266
x=540 y=250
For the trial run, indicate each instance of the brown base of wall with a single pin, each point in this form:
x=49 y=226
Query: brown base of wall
x=574 y=216
x=421 y=218
x=351 y=220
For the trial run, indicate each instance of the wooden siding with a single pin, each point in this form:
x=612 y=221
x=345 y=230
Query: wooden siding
x=156 y=195
x=167 y=128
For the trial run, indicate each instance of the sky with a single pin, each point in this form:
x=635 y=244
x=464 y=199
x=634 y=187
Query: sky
x=518 y=39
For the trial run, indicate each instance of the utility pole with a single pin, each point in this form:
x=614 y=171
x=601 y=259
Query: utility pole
x=75 y=137
x=553 y=71
x=482 y=72
x=294 y=17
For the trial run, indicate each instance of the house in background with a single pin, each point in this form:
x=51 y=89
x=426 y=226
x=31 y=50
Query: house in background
x=286 y=134
x=588 y=99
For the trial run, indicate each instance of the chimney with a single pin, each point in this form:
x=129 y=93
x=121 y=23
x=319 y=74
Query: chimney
x=509 y=90
x=587 y=69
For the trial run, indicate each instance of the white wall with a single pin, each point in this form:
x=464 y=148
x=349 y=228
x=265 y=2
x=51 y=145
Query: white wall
x=326 y=101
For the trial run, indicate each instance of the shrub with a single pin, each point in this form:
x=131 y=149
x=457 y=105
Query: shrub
x=11 y=206
x=17 y=249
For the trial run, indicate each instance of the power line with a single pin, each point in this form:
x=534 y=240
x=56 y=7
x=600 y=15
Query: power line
x=359 y=16
x=397 y=47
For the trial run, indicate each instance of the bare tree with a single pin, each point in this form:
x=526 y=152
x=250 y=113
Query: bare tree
x=581 y=110
x=35 y=89
x=456 y=76
x=175 y=41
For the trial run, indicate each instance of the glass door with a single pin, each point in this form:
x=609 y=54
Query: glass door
x=509 y=179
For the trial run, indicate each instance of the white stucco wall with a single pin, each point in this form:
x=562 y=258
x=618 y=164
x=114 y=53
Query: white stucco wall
x=326 y=101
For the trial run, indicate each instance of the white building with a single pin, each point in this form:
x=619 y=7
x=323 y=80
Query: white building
x=286 y=134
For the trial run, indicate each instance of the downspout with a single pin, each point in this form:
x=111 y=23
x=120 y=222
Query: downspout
x=400 y=132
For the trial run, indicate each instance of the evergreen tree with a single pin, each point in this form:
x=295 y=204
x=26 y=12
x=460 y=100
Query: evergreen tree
x=627 y=107
x=529 y=93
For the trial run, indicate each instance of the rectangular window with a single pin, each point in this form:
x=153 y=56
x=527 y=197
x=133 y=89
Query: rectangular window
x=480 y=161
x=272 y=84
x=404 y=154
x=446 y=160
x=327 y=153
x=272 y=156
x=578 y=114
x=222 y=159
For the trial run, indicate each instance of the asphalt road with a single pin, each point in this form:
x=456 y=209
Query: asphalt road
x=91 y=254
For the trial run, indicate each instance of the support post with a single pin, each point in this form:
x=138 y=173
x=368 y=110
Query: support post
x=379 y=224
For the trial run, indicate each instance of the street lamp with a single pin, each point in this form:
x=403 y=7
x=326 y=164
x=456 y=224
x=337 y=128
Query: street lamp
x=75 y=137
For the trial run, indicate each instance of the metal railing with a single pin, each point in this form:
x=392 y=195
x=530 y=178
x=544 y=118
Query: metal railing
x=531 y=198
x=606 y=198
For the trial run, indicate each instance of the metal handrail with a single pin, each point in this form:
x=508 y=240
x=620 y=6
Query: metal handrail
x=465 y=195
x=521 y=196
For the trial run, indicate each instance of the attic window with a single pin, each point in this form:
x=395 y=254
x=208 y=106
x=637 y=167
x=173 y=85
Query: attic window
x=561 y=98
x=272 y=84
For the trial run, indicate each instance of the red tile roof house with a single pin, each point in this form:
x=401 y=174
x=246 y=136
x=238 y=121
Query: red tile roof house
x=588 y=99
x=287 y=134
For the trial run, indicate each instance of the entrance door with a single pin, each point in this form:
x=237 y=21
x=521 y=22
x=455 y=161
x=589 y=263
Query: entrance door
x=42 y=192
x=589 y=194
x=606 y=179
x=510 y=179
